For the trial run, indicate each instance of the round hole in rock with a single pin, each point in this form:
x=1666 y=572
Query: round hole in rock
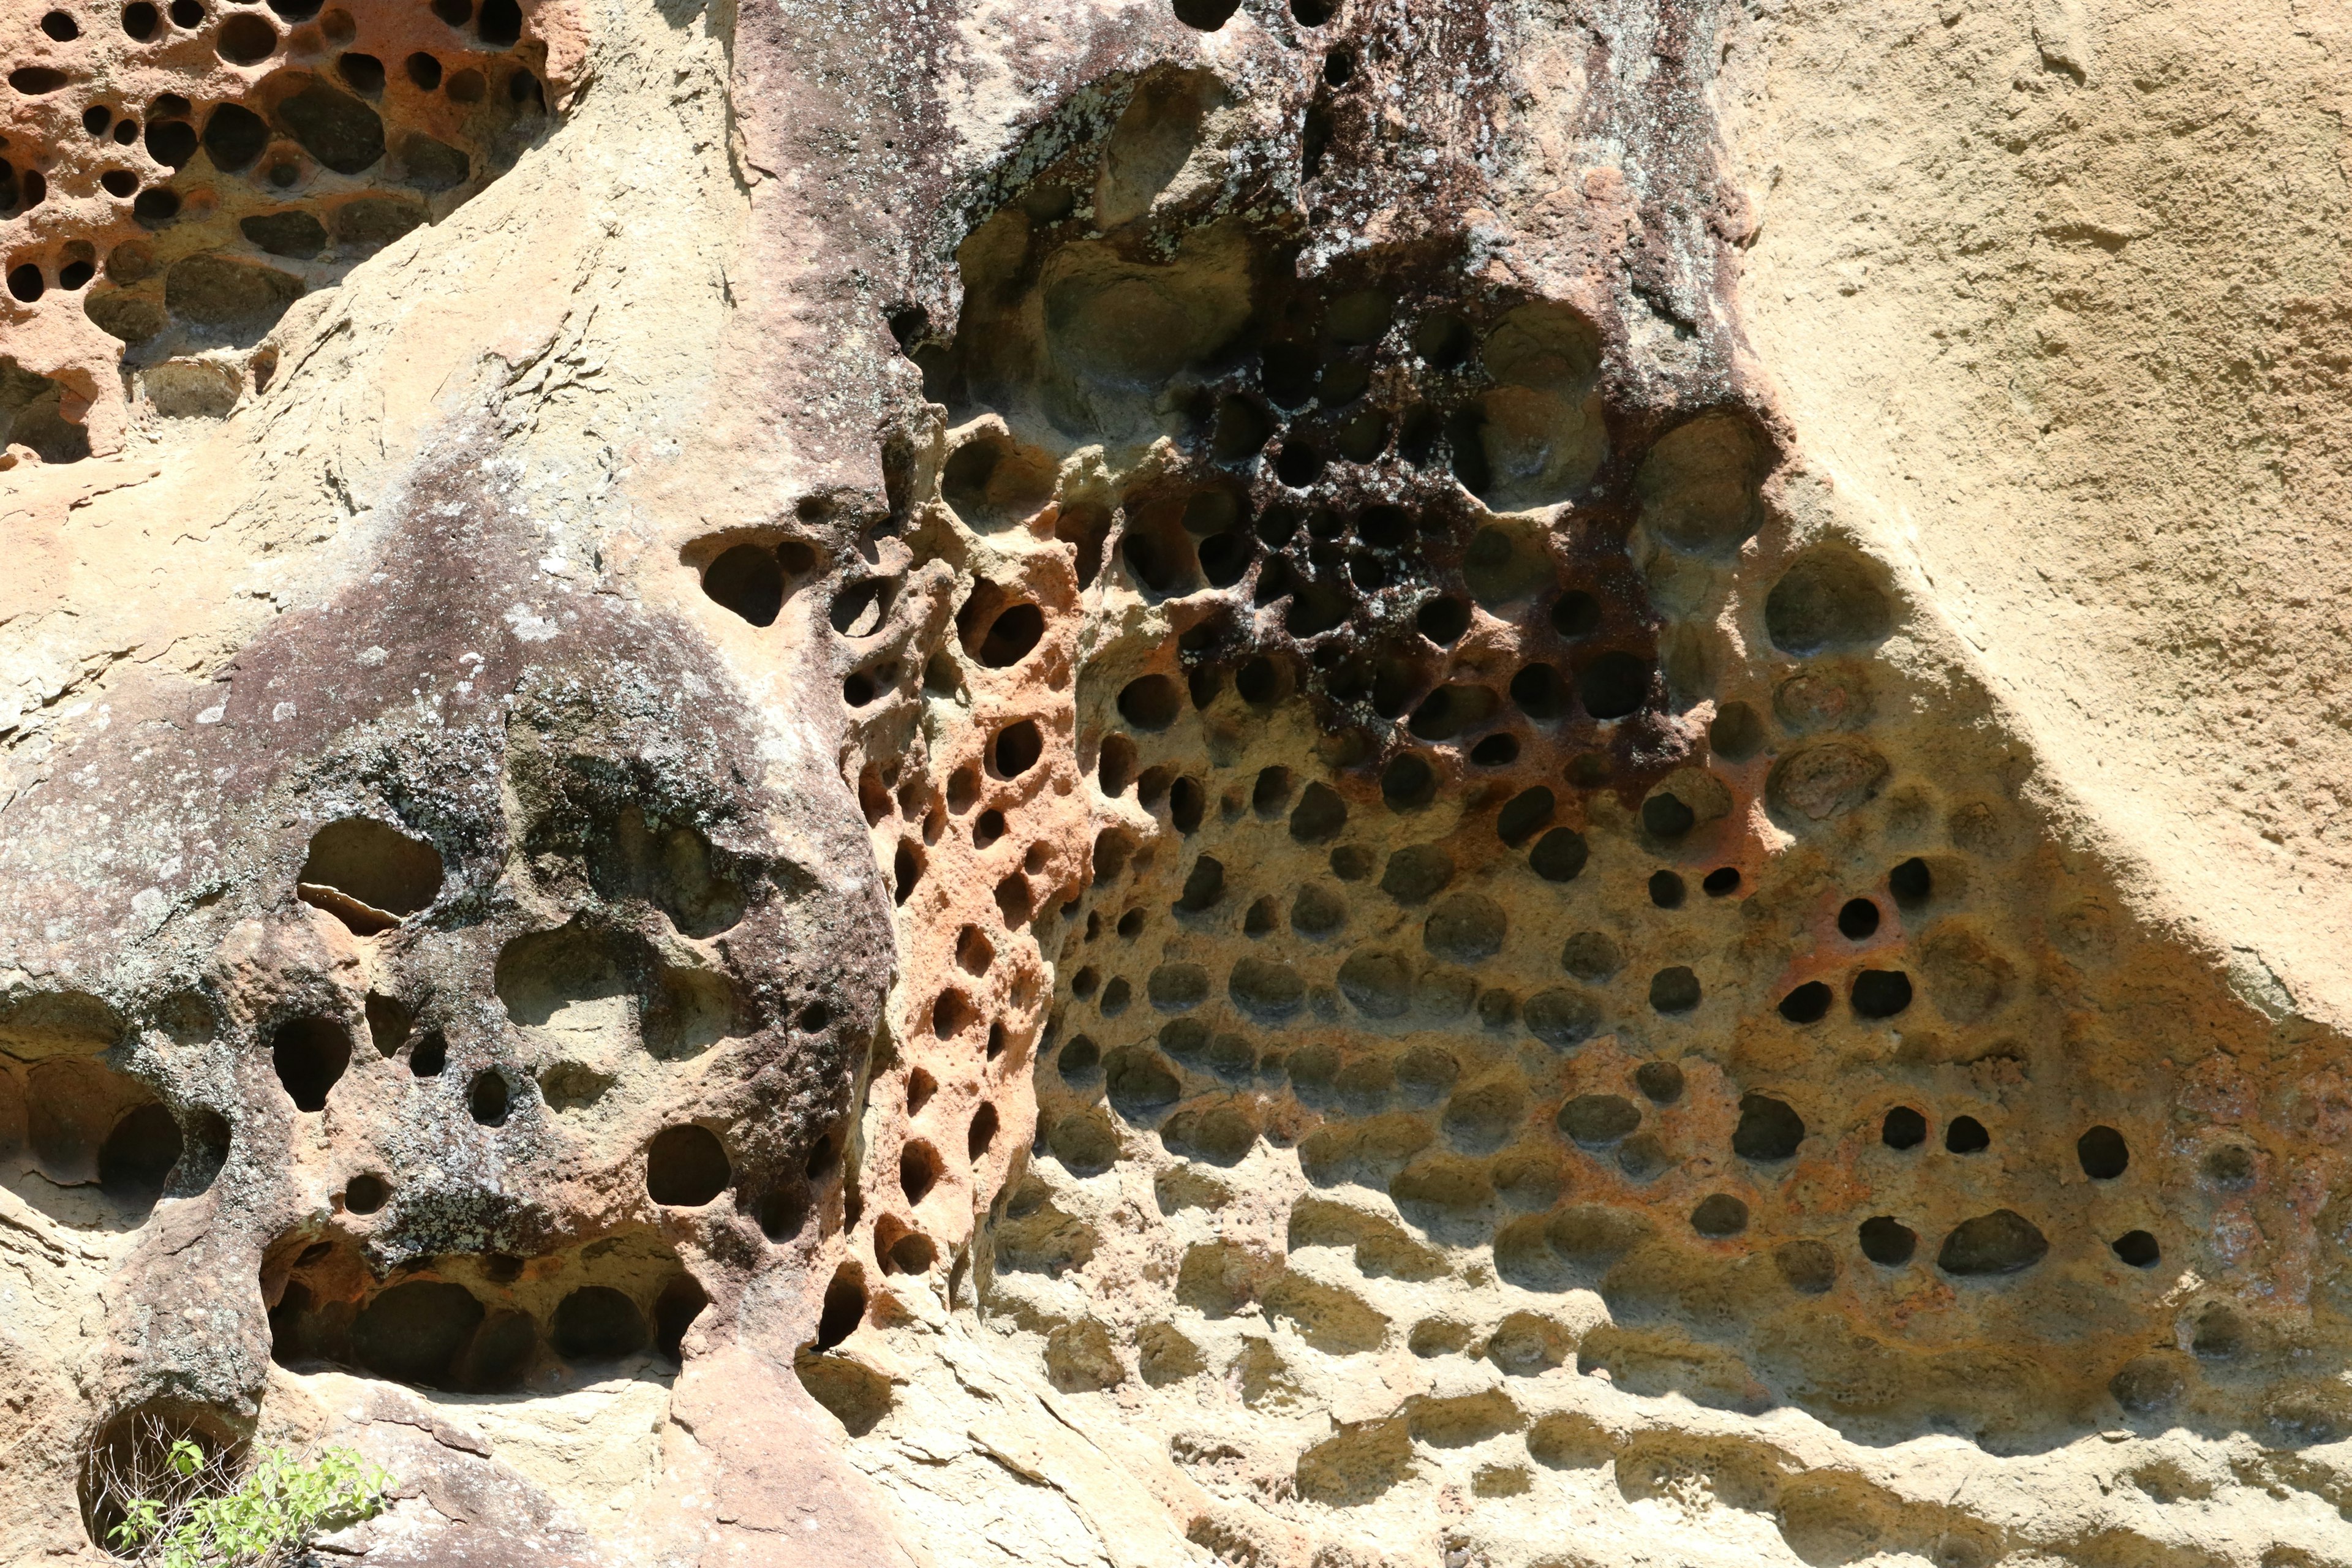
x=1150 y=702
x=822 y=1156
x=1560 y=854
x=1592 y=955
x=1911 y=883
x=918 y=1171
x=310 y=1055
x=61 y=27
x=1443 y=620
x=680 y=1302
x=1826 y=599
x=1409 y=783
x=140 y=19
x=1903 y=1128
x=843 y=1309
x=1967 y=1135
x=859 y=609
x=1810 y=1267
x=131 y=1458
x=2002 y=1242
x=1808 y=1004
x=983 y=1133
x=1205 y=15
x=1015 y=630
x=1770 y=1129
x=1540 y=693
x=1596 y=1120
x=920 y=1087
x=155 y=207
x=96 y=119
x=2230 y=1167
x=1314 y=12
x=1668 y=817
x=746 y=579
x=951 y=1015
x=597 y=1323
x=1721 y=882
x=2138 y=1248
x=235 y=136
x=1661 y=1081
x=454 y=13
x=1016 y=748
x=423 y=70
x=1205 y=885
x=27 y=283
x=784 y=1210
x=1319 y=815
x=1673 y=990
x=2219 y=1335
x=1258 y=682
x=1299 y=464
x=429 y=1055
x=1718 y=1216
x=1576 y=614
x=171 y=142
x=1417 y=873
x=1858 y=919
x=246 y=40
x=35 y=80
x=74 y=274
x=1496 y=750
x=1666 y=890
x=369 y=874
x=1078 y=1061
x=1524 y=815
x=913 y=1253
x=1613 y=685
x=1736 y=732
x=366 y=1194
x=363 y=74
x=1887 y=1241
x=490 y=1098
x=2104 y=1153
x=1881 y=993
x=499 y=23
x=187 y=14
x=685 y=1166
x=988 y=827
x=136 y=1160
x=415 y=1332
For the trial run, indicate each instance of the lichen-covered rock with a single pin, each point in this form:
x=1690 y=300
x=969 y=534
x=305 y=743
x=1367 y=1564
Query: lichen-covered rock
x=1124 y=786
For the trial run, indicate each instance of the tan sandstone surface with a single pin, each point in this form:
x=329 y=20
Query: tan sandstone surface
x=1330 y=784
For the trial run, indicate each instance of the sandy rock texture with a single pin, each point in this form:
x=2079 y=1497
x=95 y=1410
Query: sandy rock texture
x=1359 y=781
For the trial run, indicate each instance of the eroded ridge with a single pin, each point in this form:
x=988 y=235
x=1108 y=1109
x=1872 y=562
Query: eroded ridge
x=1548 y=954
x=174 y=177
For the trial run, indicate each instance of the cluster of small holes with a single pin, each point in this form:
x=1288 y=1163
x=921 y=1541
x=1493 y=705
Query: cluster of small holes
x=199 y=220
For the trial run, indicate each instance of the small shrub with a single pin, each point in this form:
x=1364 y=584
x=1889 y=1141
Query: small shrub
x=265 y=1519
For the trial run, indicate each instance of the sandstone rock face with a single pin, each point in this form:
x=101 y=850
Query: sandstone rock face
x=1359 y=782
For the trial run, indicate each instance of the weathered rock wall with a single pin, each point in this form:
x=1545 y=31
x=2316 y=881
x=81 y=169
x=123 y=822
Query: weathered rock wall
x=1274 y=783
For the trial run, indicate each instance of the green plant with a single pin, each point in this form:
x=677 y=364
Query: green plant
x=266 y=1518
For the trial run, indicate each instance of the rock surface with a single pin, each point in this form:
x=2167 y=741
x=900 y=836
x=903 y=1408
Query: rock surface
x=1381 y=782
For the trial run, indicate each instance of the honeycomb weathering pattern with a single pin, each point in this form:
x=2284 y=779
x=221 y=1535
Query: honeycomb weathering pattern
x=174 y=177
x=1199 y=843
